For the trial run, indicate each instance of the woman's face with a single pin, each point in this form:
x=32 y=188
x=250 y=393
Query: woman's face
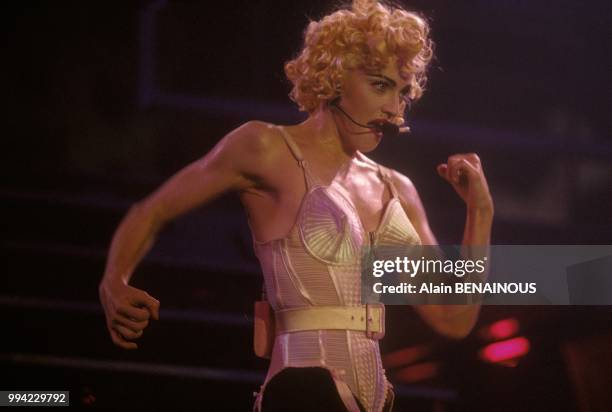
x=370 y=96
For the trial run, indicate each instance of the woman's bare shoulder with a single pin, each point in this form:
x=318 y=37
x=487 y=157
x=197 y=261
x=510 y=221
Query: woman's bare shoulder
x=398 y=179
x=255 y=135
x=402 y=183
x=255 y=141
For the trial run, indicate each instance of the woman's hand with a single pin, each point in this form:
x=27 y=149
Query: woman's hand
x=127 y=311
x=464 y=172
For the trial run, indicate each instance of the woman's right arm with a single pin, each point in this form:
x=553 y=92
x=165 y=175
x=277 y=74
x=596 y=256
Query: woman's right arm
x=233 y=164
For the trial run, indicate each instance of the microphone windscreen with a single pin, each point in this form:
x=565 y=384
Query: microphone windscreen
x=388 y=129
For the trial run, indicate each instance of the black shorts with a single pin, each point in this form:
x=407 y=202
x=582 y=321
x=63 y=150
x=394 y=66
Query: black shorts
x=307 y=389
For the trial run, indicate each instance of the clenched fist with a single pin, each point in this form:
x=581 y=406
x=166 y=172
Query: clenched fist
x=127 y=311
x=464 y=172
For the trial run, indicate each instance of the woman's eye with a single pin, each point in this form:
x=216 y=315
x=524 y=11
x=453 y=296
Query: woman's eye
x=380 y=86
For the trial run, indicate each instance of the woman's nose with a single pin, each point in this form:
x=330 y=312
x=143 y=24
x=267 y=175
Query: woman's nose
x=393 y=106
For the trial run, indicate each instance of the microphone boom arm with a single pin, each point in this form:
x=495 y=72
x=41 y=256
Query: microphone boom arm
x=388 y=129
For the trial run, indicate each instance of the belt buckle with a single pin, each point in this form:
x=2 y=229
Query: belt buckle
x=375 y=311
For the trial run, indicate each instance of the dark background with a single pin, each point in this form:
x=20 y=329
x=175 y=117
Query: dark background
x=106 y=100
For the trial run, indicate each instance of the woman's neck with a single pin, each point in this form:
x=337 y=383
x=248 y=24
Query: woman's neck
x=321 y=127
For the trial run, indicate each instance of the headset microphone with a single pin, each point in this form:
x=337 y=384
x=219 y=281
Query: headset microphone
x=388 y=129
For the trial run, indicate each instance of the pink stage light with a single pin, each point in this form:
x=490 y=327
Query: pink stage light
x=500 y=352
x=417 y=373
x=503 y=329
x=405 y=356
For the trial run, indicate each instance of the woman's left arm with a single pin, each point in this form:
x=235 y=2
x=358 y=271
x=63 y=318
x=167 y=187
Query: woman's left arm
x=464 y=173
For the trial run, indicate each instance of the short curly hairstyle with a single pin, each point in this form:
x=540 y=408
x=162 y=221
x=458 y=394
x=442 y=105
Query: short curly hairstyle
x=364 y=35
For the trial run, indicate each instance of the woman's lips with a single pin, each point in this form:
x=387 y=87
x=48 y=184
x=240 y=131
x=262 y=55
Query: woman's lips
x=377 y=121
x=376 y=130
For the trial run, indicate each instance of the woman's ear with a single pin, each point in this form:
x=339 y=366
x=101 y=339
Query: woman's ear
x=334 y=101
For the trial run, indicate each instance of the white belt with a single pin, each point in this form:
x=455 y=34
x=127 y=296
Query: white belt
x=369 y=318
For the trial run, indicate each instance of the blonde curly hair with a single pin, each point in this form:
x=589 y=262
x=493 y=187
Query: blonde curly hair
x=365 y=36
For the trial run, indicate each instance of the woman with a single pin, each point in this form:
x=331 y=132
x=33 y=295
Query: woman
x=313 y=200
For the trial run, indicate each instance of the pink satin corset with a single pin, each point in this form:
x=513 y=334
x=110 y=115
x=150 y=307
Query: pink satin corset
x=319 y=263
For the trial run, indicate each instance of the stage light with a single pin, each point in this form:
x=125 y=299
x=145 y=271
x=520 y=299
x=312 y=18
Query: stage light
x=417 y=373
x=504 y=351
x=405 y=356
x=502 y=329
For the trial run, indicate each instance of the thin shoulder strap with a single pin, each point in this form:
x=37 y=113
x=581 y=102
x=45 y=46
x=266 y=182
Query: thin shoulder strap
x=386 y=177
x=295 y=150
x=297 y=153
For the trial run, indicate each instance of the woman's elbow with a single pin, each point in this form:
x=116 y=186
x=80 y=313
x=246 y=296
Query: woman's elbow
x=458 y=329
x=453 y=322
x=455 y=332
x=145 y=211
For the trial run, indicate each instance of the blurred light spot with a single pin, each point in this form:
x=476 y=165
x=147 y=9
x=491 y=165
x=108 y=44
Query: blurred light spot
x=500 y=352
x=417 y=373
